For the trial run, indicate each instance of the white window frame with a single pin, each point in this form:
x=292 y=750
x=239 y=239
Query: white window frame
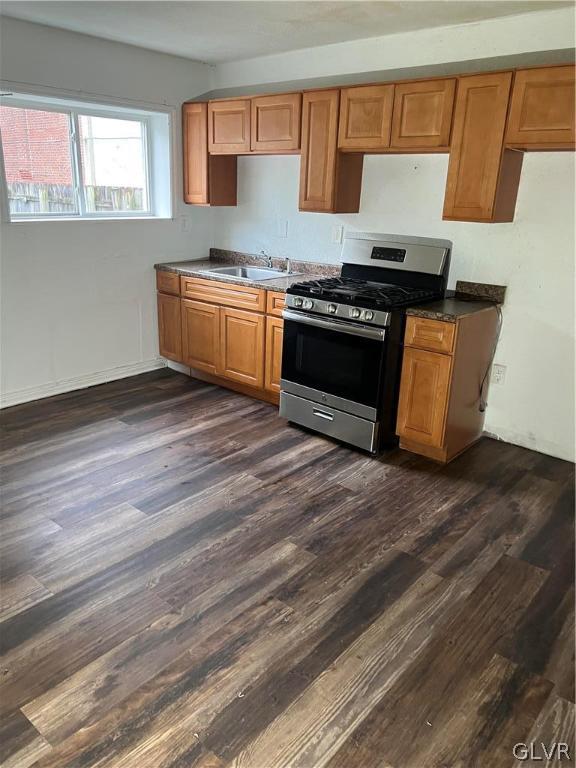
x=74 y=110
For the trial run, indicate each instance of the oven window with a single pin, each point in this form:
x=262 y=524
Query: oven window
x=333 y=362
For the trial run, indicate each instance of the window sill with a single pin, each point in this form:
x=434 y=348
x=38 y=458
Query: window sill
x=89 y=219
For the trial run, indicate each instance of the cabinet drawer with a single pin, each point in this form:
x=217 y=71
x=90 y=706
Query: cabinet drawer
x=168 y=282
x=435 y=335
x=275 y=302
x=229 y=294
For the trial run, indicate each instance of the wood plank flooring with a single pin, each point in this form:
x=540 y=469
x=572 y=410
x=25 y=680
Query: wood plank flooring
x=189 y=582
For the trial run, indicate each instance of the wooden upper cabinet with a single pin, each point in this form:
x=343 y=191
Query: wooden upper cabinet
x=200 y=335
x=422 y=115
x=208 y=180
x=483 y=179
x=318 y=163
x=229 y=127
x=195 y=140
x=242 y=346
x=276 y=123
x=330 y=181
x=542 y=109
x=365 y=117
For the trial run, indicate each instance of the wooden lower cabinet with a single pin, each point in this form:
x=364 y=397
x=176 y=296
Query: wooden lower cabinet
x=273 y=366
x=200 y=335
x=226 y=345
x=241 y=346
x=424 y=396
x=169 y=327
x=439 y=410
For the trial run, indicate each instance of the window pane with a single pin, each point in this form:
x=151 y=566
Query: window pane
x=38 y=162
x=113 y=164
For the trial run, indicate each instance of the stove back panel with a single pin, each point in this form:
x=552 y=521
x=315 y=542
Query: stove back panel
x=404 y=260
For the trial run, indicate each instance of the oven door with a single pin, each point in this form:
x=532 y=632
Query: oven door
x=333 y=362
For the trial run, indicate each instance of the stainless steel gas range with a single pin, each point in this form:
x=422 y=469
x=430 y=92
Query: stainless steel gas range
x=342 y=346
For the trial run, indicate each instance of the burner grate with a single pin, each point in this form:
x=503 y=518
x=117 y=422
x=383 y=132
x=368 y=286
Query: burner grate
x=362 y=293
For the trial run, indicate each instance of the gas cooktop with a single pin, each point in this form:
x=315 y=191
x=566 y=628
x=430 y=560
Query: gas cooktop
x=362 y=293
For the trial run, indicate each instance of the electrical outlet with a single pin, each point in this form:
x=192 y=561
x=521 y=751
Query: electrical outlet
x=337 y=234
x=185 y=224
x=498 y=374
x=281 y=228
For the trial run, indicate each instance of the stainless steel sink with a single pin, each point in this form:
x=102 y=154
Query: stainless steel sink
x=250 y=273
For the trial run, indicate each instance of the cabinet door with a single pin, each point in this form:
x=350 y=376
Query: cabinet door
x=424 y=389
x=274 y=336
x=276 y=123
x=318 y=162
x=242 y=346
x=542 y=108
x=366 y=117
x=482 y=181
x=229 y=127
x=329 y=181
x=195 y=145
x=200 y=335
x=169 y=327
x=423 y=114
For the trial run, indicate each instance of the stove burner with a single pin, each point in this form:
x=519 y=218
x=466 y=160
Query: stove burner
x=362 y=293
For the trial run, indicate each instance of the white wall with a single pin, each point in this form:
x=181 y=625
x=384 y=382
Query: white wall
x=467 y=44
x=533 y=256
x=78 y=298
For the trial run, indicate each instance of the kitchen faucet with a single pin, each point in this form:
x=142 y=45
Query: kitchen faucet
x=268 y=259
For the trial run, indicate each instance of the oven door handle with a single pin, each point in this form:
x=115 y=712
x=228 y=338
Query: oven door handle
x=335 y=325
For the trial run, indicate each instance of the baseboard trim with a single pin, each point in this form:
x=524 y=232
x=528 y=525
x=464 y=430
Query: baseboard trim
x=78 y=382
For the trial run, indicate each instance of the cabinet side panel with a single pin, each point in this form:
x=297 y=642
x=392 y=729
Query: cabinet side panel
x=476 y=335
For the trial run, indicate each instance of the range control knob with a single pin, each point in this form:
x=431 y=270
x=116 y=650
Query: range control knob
x=332 y=308
x=297 y=301
x=368 y=315
x=307 y=303
x=354 y=312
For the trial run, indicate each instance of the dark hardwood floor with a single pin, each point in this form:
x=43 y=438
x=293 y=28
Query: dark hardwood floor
x=188 y=581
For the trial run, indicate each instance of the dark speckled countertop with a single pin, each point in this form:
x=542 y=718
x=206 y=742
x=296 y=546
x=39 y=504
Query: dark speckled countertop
x=450 y=309
x=467 y=299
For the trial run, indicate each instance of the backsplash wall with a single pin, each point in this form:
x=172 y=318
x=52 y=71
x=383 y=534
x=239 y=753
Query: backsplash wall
x=533 y=256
